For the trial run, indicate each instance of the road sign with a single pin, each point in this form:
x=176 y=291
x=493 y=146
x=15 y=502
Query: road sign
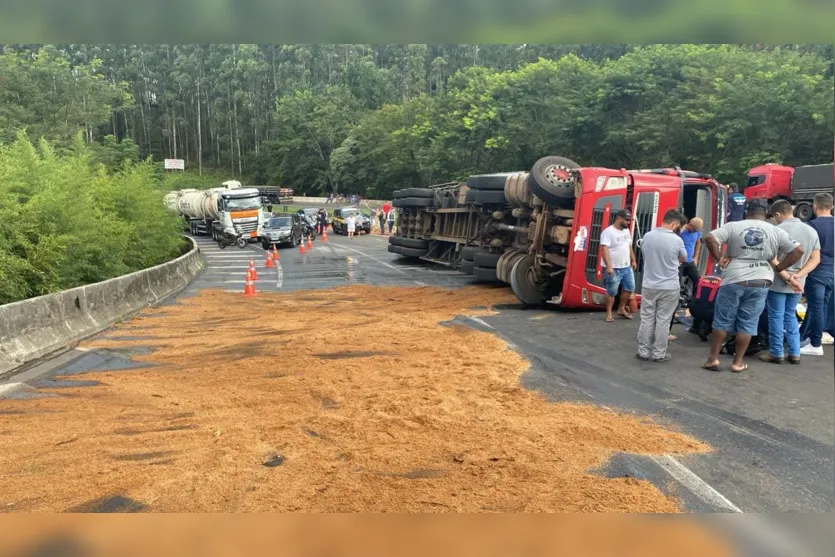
x=175 y=164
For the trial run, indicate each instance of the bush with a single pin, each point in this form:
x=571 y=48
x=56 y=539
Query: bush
x=65 y=221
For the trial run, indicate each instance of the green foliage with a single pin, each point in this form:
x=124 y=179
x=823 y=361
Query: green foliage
x=66 y=221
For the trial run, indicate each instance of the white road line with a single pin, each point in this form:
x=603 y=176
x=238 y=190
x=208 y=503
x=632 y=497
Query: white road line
x=11 y=387
x=381 y=263
x=695 y=484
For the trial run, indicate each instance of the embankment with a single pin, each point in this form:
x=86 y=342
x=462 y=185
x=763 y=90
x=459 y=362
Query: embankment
x=33 y=328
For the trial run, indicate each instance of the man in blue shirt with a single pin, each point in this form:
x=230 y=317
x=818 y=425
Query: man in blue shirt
x=736 y=204
x=691 y=234
x=819 y=284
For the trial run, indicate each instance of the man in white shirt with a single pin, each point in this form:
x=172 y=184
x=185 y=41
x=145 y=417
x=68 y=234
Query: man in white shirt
x=619 y=263
x=351 y=225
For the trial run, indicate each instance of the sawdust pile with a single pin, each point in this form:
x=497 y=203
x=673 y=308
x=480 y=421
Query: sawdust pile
x=365 y=401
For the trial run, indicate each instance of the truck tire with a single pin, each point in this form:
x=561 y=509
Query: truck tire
x=409 y=242
x=394 y=249
x=468 y=252
x=488 y=182
x=485 y=274
x=486 y=259
x=412 y=252
x=416 y=192
x=469 y=197
x=467 y=267
x=522 y=283
x=804 y=211
x=550 y=180
x=491 y=197
x=417 y=201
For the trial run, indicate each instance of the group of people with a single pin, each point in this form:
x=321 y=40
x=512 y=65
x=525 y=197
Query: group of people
x=765 y=267
x=385 y=214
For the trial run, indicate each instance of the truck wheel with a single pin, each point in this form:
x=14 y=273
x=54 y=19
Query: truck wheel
x=416 y=202
x=468 y=252
x=804 y=211
x=491 y=197
x=409 y=242
x=524 y=282
x=469 y=197
x=485 y=274
x=266 y=245
x=394 y=249
x=488 y=181
x=550 y=180
x=486 y=260
x=416 y=192
x=412 y=252
x=467 y=267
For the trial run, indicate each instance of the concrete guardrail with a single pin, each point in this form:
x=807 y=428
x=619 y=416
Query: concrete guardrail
x=36 y=327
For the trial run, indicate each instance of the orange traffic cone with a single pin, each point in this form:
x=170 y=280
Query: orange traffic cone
x=275 y=253
x=270 y=263
x=253 y=273
x=249 y=288
x=301 y=246
x=324 y=234
x=309 y=242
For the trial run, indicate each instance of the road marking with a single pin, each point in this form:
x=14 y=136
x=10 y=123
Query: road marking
x=695 y=484
x=419 y=283
x=10 y=387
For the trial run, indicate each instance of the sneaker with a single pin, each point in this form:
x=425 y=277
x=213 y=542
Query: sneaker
x=805 y=342
x=811 y=350
x=642 y=358
x=662 y=359
x=826 y=338
x=766 y=357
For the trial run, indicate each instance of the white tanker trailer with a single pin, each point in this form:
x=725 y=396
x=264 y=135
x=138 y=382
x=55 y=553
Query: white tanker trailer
x=213 y=211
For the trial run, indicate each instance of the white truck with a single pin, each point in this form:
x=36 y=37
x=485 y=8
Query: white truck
x=218 y=210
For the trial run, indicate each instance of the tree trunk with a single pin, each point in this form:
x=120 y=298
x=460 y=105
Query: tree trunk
x=199 y=133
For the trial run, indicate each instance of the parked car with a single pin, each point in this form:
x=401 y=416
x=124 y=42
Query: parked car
x=339 y=216
x=282 y=230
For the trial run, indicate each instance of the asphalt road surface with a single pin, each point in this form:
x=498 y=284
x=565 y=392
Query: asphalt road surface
x=772 y=427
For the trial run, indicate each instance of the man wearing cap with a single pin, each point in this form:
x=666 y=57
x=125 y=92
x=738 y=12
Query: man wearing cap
x=619 y=263
x=736 y=204
x=748 y=272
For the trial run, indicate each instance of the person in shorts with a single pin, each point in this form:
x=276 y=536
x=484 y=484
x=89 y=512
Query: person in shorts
x=748 y=272
x=351 y=225
x=618 y=263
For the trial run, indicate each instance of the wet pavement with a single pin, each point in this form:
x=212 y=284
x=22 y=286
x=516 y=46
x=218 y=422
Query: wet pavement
x=772 y=428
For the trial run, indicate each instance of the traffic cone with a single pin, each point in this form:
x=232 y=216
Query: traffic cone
x=249 y=286
x=270 y=263
x=324 y=234
x=253 y=273
x=301 y=246
x=275 y=253
x=309 y=242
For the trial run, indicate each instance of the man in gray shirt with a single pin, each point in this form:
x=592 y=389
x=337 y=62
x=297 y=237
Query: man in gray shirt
x=787 y=287
x=663 y=251
x=748 y=271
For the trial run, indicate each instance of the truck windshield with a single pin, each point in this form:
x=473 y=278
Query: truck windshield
x=243 y=204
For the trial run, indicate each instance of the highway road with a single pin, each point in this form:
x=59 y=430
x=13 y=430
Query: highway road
x=772 y=429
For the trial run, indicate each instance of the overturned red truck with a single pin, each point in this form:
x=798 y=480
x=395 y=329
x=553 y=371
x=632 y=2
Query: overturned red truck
x=539 y=231
x=799 y=186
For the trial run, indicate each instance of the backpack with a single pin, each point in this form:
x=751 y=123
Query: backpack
x=707 y=288
x=702 y=304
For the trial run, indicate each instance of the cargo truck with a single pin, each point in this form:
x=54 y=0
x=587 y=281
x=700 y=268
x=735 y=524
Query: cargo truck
x=218 y=210
x=539 y=231
x=799 y=186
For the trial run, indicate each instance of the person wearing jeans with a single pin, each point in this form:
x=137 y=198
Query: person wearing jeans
x=663 y=252
x=785 y=291
x=819 y=285
x=748 y=268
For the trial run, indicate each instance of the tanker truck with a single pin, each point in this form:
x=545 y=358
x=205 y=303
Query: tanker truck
x=213 y=211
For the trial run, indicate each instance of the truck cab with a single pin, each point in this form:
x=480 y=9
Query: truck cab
x=648 y=194
x=770 y=182
x=242 y=208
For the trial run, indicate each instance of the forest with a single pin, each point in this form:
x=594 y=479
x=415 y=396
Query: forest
x=372 y=118
x=87 y=126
